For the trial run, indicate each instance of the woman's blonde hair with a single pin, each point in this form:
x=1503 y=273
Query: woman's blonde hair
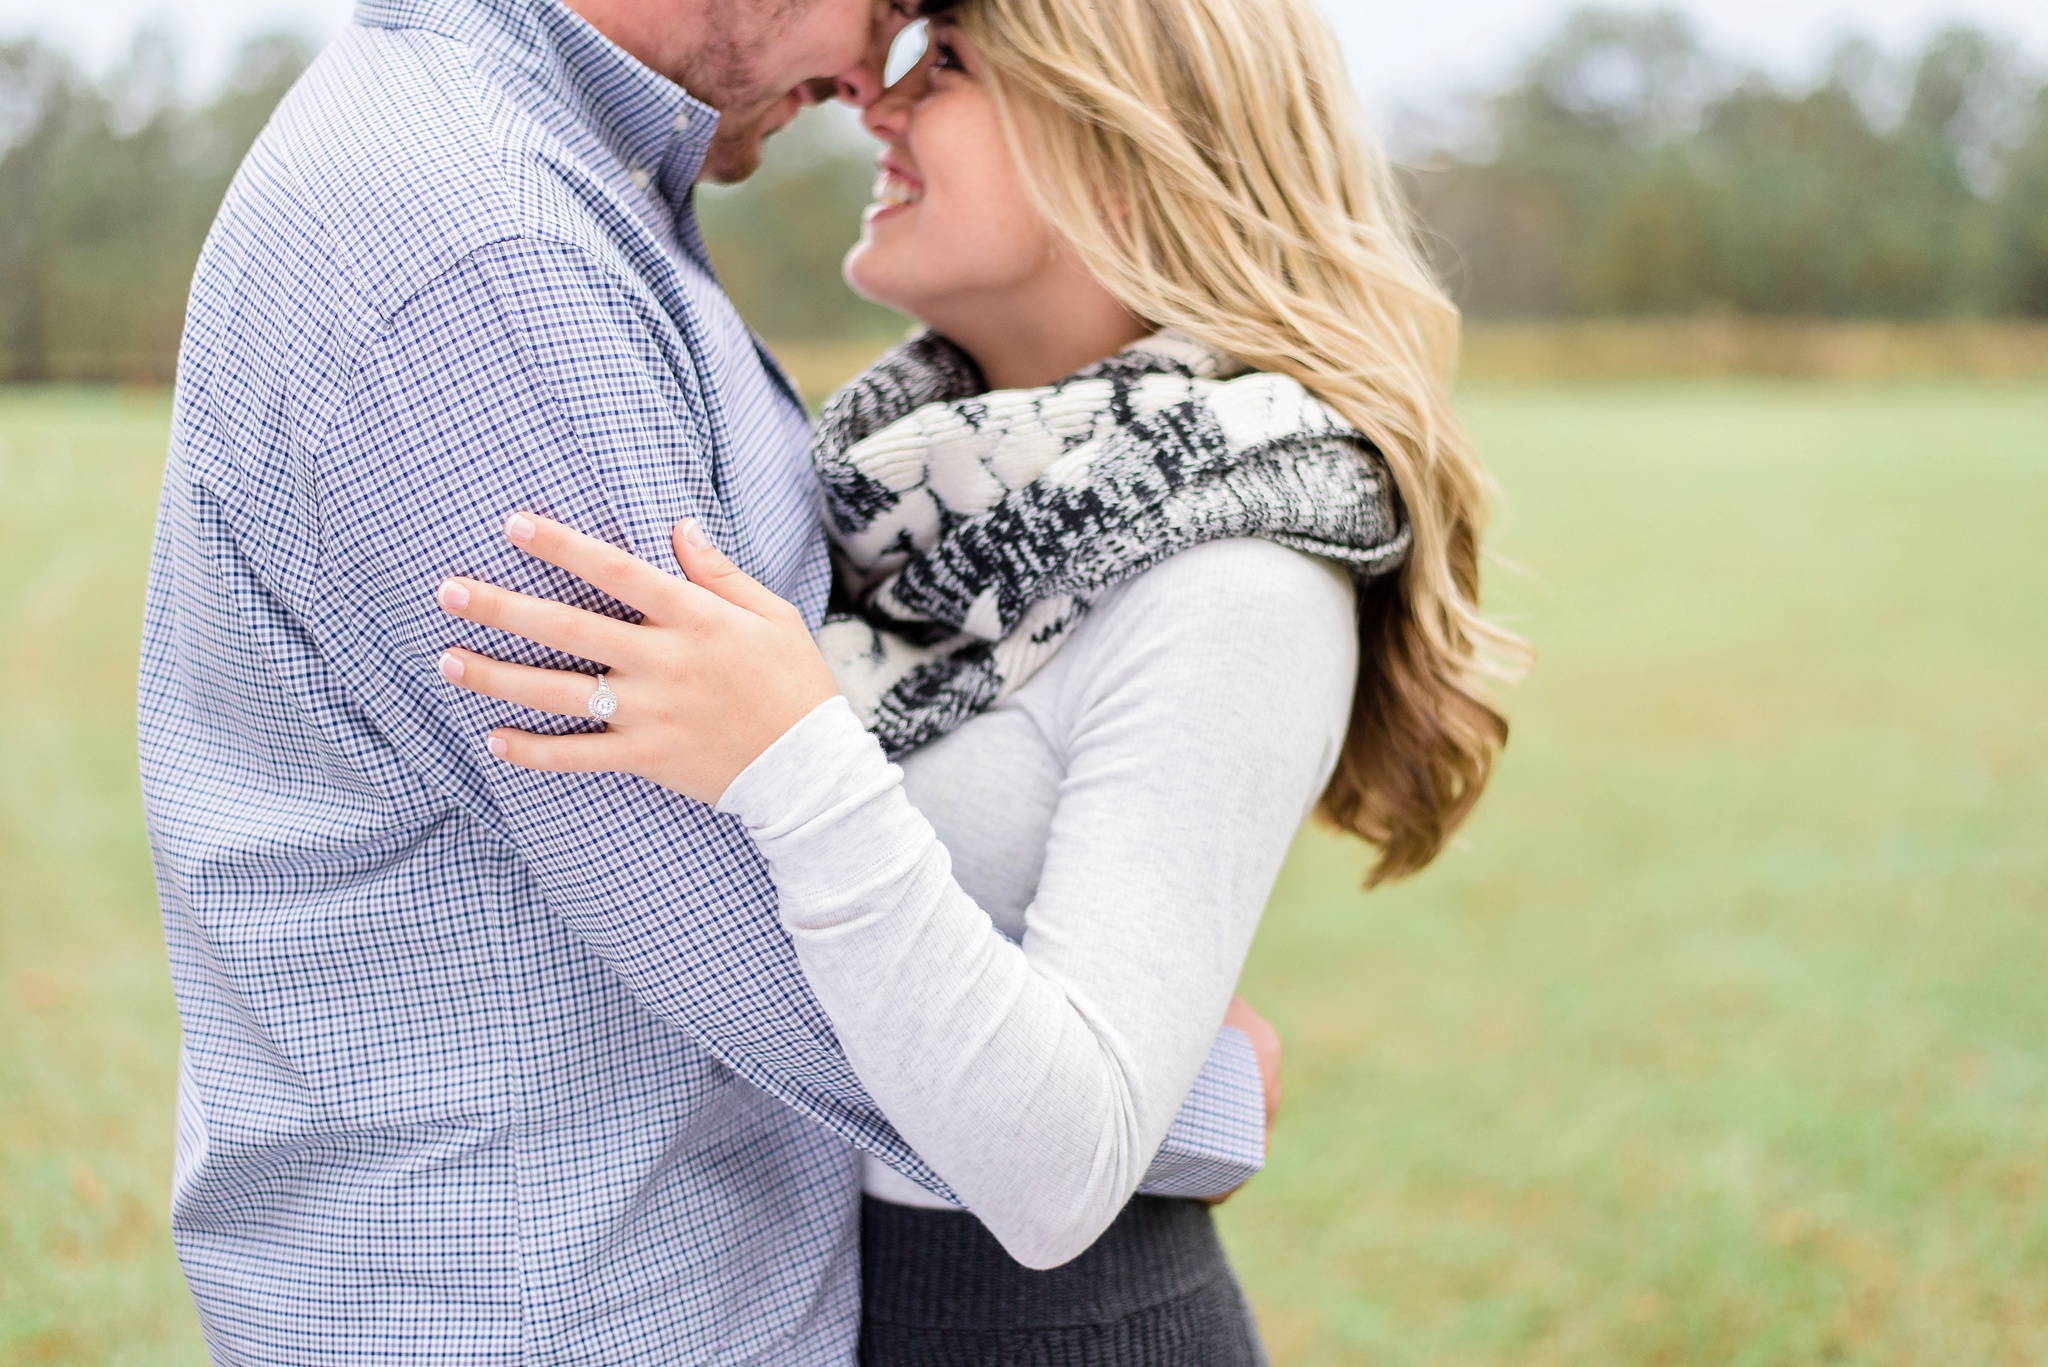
x=1207 y=161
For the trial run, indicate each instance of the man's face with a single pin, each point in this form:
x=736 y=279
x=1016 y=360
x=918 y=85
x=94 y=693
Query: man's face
x=758 y=62
x=735 y=151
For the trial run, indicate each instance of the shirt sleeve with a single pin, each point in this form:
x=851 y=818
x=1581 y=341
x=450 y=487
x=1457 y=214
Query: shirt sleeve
x=1039 y=1079
x=529 y=377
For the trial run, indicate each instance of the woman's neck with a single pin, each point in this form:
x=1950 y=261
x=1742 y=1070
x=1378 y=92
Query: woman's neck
x=1042 y=336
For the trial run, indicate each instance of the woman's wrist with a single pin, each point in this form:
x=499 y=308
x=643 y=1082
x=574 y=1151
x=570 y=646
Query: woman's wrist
x=780 y=786
x=827 y=809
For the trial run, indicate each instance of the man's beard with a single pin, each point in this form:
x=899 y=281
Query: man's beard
x=724 y=75
x=737 y=147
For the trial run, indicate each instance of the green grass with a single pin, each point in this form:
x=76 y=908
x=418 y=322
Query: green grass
x=88 y=1069
x=1722 y=1039
x=1719 y=1039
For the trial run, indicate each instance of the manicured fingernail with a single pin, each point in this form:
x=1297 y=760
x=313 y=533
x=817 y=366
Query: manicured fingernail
x=693 y=534
x=496 y=746
x=451 y=668
x=519 y=529
x=452 y=596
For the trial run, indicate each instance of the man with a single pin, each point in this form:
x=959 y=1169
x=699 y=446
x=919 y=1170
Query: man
x=484 y=1065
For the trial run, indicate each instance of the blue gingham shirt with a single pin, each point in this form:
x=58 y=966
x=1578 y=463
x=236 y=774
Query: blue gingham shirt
x=483 y=1065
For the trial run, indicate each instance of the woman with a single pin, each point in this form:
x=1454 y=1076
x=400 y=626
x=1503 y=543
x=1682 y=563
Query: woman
x=1162 y=535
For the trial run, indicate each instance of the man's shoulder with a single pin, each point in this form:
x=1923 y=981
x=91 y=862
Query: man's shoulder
x=397 y=164
x=395 y=158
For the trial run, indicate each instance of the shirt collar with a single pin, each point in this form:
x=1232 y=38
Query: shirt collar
x=658 y=131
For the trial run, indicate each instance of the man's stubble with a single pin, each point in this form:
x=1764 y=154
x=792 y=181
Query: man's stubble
x=726 y=73
x=738 y=145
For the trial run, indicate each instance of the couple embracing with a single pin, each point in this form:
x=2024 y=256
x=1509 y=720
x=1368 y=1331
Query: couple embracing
x=649 y=879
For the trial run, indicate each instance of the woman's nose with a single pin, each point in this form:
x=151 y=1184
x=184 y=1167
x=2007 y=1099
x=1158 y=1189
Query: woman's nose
x=887 y=118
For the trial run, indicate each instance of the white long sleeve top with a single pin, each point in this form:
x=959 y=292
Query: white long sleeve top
x=1026 y=935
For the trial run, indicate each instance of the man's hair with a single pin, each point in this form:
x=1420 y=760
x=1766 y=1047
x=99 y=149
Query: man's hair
x=1205 y=160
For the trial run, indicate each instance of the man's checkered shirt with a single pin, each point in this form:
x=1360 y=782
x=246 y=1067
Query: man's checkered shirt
x=482 y=1065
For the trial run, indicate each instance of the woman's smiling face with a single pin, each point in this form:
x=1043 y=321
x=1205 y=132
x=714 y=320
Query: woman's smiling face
x=952 y=228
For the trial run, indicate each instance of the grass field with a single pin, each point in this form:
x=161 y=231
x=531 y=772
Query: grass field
x=1721 y=1038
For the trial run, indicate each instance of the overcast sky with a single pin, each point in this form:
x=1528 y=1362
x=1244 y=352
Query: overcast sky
x=1402 y=51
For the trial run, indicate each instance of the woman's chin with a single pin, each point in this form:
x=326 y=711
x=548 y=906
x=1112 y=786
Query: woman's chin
x=868 y=274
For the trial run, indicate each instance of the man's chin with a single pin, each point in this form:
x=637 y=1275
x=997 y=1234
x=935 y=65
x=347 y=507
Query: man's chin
x=729 y=163
x=737 y=148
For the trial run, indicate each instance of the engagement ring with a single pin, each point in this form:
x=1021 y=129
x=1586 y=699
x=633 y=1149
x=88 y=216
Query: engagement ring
x=603 y=702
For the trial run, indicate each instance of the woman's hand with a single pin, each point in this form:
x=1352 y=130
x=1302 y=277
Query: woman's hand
x=719 y=669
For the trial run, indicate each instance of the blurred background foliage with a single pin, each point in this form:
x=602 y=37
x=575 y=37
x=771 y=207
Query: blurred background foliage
x=1625 y=171
x=1629 y=170
x=107 y=189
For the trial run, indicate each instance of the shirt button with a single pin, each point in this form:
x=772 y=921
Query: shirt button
x=682 y=124
x=640 y=178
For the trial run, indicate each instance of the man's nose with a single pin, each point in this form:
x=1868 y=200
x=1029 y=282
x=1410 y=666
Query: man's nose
x=861 y=86
x=863 y=83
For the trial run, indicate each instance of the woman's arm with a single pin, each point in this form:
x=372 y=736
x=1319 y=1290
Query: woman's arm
x=1200 y=711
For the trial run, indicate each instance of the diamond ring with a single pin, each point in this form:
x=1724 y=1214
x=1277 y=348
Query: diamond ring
x=603 y=702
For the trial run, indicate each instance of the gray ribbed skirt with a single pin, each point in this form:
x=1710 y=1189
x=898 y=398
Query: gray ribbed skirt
x=1155 y=1290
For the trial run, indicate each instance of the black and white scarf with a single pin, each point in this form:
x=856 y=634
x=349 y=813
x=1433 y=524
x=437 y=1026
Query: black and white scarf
x=972 y=528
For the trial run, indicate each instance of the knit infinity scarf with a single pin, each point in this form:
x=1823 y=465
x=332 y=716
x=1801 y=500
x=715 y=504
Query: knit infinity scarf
x=972 y=529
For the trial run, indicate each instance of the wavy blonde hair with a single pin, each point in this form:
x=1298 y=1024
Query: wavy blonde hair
x=1207 y=161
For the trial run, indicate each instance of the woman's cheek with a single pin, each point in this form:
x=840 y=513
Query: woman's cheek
x=982 y=207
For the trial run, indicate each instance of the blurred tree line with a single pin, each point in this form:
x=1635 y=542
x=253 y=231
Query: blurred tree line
x=106 y=191
x=1626 y=169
